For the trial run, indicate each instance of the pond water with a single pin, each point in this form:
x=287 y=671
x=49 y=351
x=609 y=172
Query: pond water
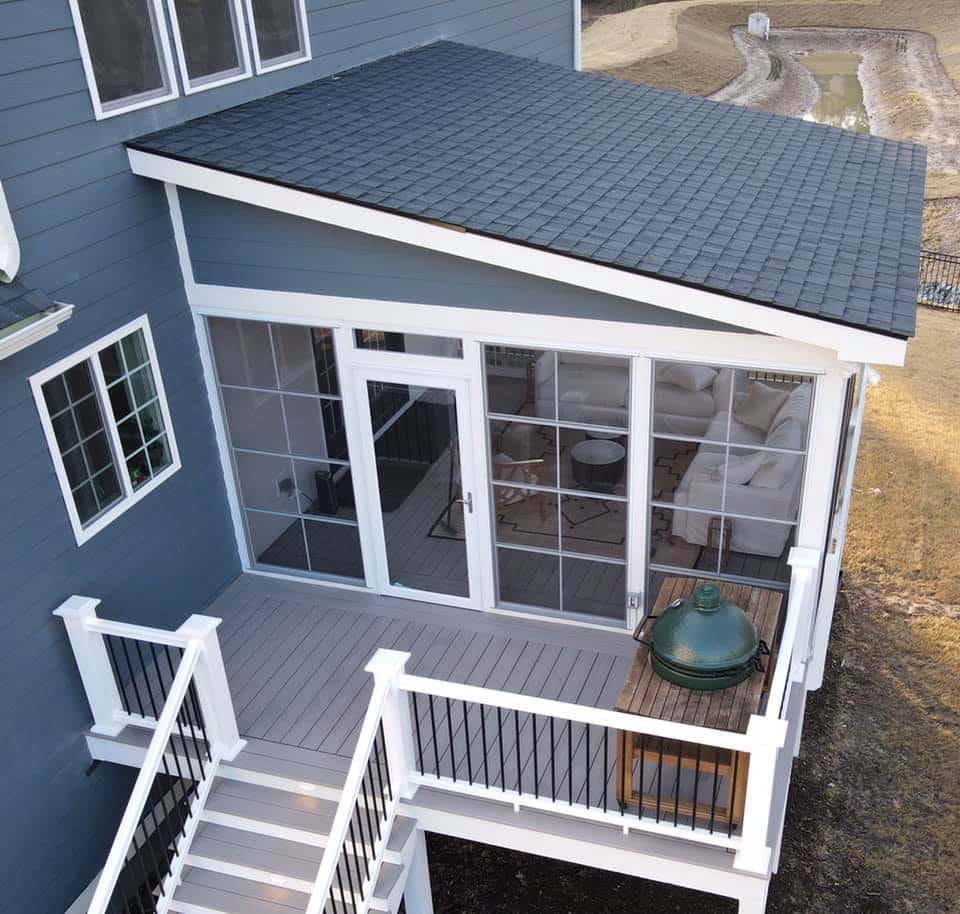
x=841 y=95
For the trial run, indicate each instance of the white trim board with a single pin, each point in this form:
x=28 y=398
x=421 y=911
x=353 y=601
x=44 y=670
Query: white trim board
x=850 y=343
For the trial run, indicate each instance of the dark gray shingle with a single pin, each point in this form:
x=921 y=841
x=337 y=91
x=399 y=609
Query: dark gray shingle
x=774 y=210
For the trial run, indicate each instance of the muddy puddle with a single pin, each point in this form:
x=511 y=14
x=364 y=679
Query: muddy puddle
x=841 y=95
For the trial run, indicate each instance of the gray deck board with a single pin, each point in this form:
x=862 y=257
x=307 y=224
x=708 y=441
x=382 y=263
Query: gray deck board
x=295 y=657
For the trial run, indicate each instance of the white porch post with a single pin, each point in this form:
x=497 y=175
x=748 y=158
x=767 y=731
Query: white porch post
x=94 y=664
x=768 y=737
x=213 y=690
x=387 y=667
x=754 y=899
x=417 y=893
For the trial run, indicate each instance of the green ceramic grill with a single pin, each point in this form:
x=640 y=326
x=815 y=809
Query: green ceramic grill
x=704 y=641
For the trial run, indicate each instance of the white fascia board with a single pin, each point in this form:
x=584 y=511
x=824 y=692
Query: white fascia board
x=33 y=330
x=849 y=343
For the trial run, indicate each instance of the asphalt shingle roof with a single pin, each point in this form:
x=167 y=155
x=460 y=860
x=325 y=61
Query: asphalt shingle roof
x=18 y=303
x=769 y=209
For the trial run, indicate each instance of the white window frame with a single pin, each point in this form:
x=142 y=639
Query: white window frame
x=164 y=55
x=281 y=62
x=130 y=495
x=213 y=81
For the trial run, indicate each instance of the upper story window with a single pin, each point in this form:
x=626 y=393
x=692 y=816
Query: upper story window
x=211 y=43
x=280 y=37
x=105 y=416
x=125 y=52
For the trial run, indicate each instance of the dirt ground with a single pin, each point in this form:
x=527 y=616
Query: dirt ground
x=690 y=45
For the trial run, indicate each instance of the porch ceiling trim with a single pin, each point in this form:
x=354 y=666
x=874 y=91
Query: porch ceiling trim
x=850 y=344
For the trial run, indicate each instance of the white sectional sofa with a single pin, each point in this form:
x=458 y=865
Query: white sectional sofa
x=761 y=483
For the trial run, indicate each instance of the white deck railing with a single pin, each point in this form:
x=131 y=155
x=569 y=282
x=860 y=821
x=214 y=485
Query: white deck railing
x=347 y=878
x=175 y=684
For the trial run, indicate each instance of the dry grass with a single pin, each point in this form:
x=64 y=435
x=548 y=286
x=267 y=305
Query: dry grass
x=905 y=528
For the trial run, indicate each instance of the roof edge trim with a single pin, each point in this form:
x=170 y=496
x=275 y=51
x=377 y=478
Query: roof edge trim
x=850 y=343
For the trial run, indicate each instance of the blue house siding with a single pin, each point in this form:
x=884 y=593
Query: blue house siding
x=94 y=235
x=235 y=244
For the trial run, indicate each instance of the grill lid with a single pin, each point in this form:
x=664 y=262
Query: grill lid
x=704 y=641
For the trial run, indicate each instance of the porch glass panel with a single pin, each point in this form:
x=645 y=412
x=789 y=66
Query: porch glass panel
x=728 y=453
x=558 y=436
x=284 y=420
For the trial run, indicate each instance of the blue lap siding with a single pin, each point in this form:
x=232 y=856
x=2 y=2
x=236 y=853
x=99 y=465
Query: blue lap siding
x=94 y=235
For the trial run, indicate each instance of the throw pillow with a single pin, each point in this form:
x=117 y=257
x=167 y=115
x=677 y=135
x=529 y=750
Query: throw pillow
x=685 y=375
x=797 y=406
x=759 y=405
x=741 y=468
x=775 y=473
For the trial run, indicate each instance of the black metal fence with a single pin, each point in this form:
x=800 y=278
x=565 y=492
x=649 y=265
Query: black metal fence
x=939 y=280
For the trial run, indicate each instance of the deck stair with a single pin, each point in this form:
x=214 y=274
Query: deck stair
x=263 y=830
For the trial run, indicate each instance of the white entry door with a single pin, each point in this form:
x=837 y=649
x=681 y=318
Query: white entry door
x=422 y=498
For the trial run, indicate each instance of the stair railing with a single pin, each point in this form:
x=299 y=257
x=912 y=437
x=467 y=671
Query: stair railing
x=355 y=850
x=175 y=684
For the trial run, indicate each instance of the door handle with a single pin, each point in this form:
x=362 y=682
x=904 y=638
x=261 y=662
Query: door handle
x=466 y=501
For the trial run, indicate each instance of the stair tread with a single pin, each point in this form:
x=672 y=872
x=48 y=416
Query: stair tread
x=232 y=895
x=271 y=806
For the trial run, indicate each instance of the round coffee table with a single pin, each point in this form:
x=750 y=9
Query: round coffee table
x=598 y=463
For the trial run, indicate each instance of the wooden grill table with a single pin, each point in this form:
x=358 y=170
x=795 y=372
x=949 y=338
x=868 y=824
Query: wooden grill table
x=647 y=694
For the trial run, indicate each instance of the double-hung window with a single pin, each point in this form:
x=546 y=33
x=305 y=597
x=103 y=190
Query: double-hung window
x=125 y=52
x=211 y=43
x=105 y=416
x=280 y=36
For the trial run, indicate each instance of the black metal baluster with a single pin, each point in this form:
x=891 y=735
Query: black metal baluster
x=137 y=853
x=586 y=762
x=553 y=764
x=659 y=776
x=359 y=857
x=606 y=750
x=696 y=785
x=516 y=729
x=121 y=685
x=187 y=715
x=503 y=774
x=676 y=793
x=416 y=720
x=376 y=819
x=195 y=701
x=383 y=796
x=433 y=730
x=733 y=793
x=379 y=809
x=133 y=681
x=569 y=763
x=643 y=784
x=483 y=739
x=186 y=751
x=343 y=895
x=453 y=761
x=466 y=736
x=716 y=788
x=148 y=810
x=386 y=764
x=345 y=857
x=536 y=761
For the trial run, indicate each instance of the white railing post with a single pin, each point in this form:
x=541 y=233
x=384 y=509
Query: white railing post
x=768 y=737
x=213 y=690
x=387 y=667
x=96 y=672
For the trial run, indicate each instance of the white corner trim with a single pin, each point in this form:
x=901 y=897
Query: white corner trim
x=849 y=343
x=243 y=71
x=9 y=243
x=103 y=110
x=577 y=35
x=34 y=330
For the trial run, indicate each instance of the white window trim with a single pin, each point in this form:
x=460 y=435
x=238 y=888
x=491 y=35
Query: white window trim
x=164 y=53
x=9 y=243
x=281 y=62
x=215 y=80
x=130 y=496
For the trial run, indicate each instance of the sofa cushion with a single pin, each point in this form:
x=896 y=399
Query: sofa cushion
x=788 y=434
x=739 y=433
x=740 y=469
x=686 y=375
x=759 y=405
x=776 y=473
x=796 y=406
x=677 y=401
